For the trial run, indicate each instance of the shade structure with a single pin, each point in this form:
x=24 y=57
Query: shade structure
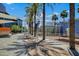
x=5 y=21
x=2 y=15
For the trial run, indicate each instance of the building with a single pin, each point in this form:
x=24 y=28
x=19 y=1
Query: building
x=6 y=20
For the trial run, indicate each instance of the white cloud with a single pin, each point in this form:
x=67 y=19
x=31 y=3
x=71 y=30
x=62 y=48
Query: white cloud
x=47 y=16
x=9 y=3
x=41 y=14
x=56 y=13
x=68 y=11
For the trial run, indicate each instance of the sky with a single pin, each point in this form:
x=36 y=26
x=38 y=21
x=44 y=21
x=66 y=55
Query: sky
x=18 y=10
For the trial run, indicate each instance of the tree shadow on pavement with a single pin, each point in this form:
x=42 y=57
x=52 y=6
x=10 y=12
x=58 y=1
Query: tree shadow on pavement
x=20 y=48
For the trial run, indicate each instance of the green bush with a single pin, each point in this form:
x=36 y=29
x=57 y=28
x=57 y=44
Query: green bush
x=24 y=29
x=16 y=28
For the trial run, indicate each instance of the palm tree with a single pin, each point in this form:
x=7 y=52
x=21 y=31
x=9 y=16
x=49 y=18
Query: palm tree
x=44 y=14
x=64 y=15
x=72 y=26
x=41 y=49
x=29 y=12
x=54 y=18
x=43 y=21
x=35 y=9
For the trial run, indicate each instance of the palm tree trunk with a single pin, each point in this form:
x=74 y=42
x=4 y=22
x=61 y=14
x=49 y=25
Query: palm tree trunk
x=55 y=27
x=63 y=26
x=32 y=28
x=72 y=26
x=43 y=21
x=35 y=25
x=29 y=28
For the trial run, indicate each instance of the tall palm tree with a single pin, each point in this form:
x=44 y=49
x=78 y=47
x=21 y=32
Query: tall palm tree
x=43 y=21
x=54 y=18
x=44 y=14
x=64 y=15
x=31 y=20
x=35 y=9
x=72 y=26
x=29 y=12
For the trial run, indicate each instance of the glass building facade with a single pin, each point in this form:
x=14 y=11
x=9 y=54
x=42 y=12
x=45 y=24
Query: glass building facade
x=5 y=16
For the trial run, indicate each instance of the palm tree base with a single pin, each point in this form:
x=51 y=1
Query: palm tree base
x=73 y=52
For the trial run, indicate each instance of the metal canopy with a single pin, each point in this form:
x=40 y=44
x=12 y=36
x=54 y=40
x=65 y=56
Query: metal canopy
x=5 y=21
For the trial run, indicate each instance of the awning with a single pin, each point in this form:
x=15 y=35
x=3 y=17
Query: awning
x=7 y=16
x=5 y=21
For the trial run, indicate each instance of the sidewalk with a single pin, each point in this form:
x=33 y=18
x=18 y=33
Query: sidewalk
x=6 y=45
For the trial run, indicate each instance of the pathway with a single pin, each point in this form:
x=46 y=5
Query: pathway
x=6 y=42
x=14 y=45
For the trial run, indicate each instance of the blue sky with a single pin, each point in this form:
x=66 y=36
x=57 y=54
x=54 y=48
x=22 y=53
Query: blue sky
x=18 y=10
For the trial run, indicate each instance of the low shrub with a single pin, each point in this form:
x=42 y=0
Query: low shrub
x=15 y=28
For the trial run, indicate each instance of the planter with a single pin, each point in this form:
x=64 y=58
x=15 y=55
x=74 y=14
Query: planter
x=5 y=31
